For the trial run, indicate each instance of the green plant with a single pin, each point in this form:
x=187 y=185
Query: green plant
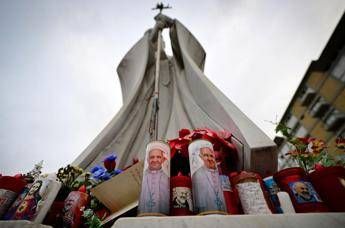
x=92 y=221
x=68 y=175
x=309 y=152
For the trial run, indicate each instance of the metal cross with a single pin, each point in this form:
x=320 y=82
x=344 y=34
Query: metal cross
x=161 y=6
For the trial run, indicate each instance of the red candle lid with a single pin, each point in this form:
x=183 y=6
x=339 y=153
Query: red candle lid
x=289 y=172
x=181 y=181
x=245 y=175
x=12 y=183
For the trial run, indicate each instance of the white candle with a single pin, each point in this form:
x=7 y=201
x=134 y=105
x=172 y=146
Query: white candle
x=285 y=203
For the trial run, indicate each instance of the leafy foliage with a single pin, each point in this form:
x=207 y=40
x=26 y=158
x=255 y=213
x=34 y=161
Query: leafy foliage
x=92 y=221
x=308 y=152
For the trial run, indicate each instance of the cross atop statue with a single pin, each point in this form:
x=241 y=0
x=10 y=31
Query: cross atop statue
x=161 y=6
x=163 y=94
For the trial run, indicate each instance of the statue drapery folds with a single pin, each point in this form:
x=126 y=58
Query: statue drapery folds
x=187 y=99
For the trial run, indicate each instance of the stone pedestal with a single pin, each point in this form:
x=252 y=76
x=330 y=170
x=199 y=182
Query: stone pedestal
x=21 y=224
x=314 y=220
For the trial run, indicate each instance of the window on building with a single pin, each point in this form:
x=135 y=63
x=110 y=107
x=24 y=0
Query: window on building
x=338 y=68
x=283 y=160
x=284 y=150
x=328 y=113
x=308 y=97
x=292 y=122
x=335 y=120
x=319 y=108
x=301 y=132
x=302 y=90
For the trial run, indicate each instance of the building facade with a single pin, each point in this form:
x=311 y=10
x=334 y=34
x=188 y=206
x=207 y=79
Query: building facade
x=317 y=108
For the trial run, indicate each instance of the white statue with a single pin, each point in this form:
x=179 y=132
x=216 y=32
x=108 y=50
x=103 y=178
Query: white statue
x=187 y=99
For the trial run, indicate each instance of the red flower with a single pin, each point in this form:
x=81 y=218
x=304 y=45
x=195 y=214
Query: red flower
x=304 y=140
x=82 y=189
x=102 y=213
x=340 y=143
x=18 y=176
x=110 y=163
x=179 y=144
x=316 y=146
x=183 y=132
x=318 y=167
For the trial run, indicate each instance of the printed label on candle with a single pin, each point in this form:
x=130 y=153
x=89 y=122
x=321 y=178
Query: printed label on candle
x=10 y=212
x=182 y=198
x=72 y=206
x=271 y=185
x=207 y=187
x=226 y=186
x=33 y=201
x=273 y=189
x=155 y=188
x=252 y=198
x=6 y=198
x=304 y=192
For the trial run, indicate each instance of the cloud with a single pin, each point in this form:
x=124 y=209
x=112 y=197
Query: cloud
x=58 y=62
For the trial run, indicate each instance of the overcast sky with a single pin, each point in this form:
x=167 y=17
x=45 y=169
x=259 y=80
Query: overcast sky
x=58 y=59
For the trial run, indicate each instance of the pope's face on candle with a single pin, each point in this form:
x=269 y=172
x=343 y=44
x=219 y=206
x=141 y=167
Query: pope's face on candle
x=182 y=196
x=207 y=155
x=155 y=159
x=302 y=190
x=35 y=187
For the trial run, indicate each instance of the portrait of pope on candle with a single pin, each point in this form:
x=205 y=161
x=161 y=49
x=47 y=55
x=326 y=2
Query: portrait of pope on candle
x=155 y=195
x=304 y=192
x=207 y=191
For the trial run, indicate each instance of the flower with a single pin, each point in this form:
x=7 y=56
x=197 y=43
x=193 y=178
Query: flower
x=304 y=140
x=316 y=146
x=82 y=188
x=109 y=162
x=98 y=172
x=340 y=143
x=105 y=176
x=318 y=167
x=306 y=151
x=102 y=213
x=68 y=175
x=311 y=153
x=17 y=176
x=96 y=168
x=183 y=132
